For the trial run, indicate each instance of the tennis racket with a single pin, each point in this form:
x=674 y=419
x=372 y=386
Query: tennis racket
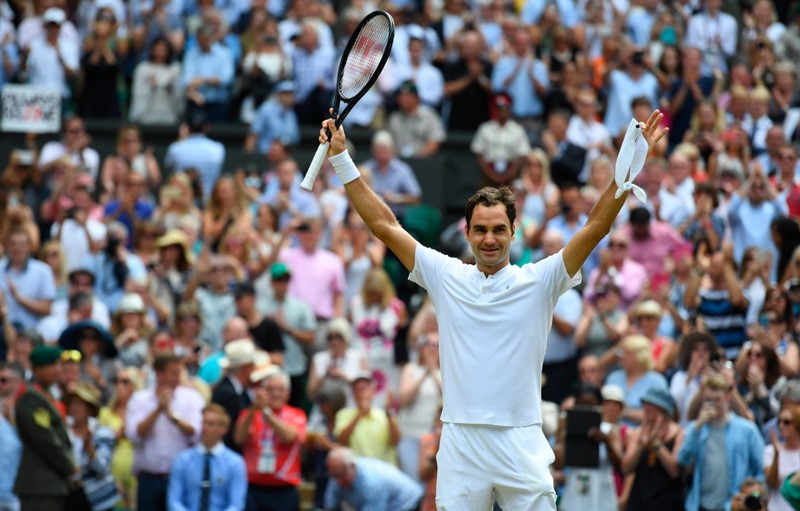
x=362 y=62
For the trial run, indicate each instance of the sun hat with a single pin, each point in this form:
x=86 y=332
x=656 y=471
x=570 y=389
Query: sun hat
x=238 y=353
x=660 y=397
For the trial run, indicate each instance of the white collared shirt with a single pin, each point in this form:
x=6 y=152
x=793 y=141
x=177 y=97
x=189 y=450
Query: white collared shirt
x=493 y=334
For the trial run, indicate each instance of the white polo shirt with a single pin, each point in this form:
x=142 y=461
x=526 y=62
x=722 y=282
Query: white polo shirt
x=492 y=335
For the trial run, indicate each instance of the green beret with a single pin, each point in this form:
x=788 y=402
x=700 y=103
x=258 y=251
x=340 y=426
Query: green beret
x=45 y=355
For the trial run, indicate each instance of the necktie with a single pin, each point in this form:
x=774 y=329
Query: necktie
x=205 y=485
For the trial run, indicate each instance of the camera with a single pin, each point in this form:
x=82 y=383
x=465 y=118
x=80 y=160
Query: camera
x=638 y=58
x=754 y=502
x=71 y=213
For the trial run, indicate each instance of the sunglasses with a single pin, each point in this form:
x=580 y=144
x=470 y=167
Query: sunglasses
x=71 y=356
x=617 y=244
x=123 y=381
x=785 y=422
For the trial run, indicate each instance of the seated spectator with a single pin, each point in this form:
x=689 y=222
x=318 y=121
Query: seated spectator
x=636 y=375
x=176 y=206
x=652 y=455
x=646 y=316
x=271 y=434
x=198 y=152
x=208 y=76
x=28 y=286
x=209 y=476
x=156 y=97
x=365 y=483
x=275 y=119
x=697 y=351
x=722 y=447
x=584 y=130
x=500 y=145
x=369 y=431
x=759 y=123
x=416 y=128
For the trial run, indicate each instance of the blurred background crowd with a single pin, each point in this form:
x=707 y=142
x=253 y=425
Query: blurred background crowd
x=179 y=332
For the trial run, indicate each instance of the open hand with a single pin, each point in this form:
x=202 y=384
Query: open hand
x=652 y=130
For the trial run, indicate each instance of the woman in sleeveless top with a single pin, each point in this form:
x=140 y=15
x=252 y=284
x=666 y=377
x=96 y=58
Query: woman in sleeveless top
x=652 y=457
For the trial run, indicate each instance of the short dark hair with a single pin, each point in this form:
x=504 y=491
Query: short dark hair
x=707 y=188
x=690 y=341
x=641 y=101
x=640 y=216
x=14 y=367
x=79 y=300
x=490 y=196
x=164 y=360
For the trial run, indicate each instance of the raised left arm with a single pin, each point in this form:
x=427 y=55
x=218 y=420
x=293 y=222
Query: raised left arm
x=607 y=208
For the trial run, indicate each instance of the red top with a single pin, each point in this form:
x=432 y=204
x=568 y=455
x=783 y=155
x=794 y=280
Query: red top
x=58 y=405
x=284 y=468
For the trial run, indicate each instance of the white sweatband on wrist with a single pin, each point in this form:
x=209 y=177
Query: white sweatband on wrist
x=630 y=160
x=344 y=167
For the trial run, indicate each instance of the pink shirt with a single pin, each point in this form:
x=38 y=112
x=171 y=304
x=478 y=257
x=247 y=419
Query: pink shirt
x=155 y=452
x=630 y=279
x=316 y=278
x=651 y=252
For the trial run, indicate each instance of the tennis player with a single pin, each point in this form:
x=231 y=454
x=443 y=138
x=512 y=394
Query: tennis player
x=493 y=324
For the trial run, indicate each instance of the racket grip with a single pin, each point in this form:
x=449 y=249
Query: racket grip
x=316 y=165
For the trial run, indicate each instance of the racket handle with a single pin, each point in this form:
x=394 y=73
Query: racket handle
x=316 y=165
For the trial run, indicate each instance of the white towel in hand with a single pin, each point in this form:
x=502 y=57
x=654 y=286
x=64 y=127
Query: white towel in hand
x=630 y=161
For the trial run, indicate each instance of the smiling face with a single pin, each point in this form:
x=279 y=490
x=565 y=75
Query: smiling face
x=490 y=235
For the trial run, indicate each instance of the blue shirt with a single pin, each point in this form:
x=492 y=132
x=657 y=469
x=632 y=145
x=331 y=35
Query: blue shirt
x=198 y=152
x=35 y=281
x=312 y=68
x=106 y=287
x=398 y=178
x=217 y=63
x=142 y=210
x=274 y=122
x=527 y=102
x=302 y=202
x=10 y=453
x=228 y=480
x=230 y=41
x=378 y=486
x=744 y=450
x=568 y=13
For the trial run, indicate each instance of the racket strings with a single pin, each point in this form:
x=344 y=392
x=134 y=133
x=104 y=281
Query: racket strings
x=365 y=56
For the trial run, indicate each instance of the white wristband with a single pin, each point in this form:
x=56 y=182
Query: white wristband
x=630 y=161
x=344 y=167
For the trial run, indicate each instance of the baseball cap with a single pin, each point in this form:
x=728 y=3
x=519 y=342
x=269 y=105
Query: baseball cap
x=613 y=393
x=244 y=289
x=279 y=270
x=54 y=15
x=502 y=101
x=409 y=87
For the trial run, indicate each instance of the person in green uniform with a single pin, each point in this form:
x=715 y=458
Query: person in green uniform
x=47 y=463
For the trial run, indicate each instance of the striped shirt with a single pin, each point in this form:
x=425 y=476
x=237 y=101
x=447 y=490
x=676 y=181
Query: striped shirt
x=95 y=474
x=725 y=321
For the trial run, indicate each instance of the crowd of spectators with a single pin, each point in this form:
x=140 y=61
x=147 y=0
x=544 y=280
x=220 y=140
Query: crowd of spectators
x=178 y=334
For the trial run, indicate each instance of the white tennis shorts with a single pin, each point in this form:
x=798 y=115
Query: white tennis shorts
x=479 y=463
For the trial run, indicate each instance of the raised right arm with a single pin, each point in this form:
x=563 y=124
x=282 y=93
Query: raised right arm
x=376 y=214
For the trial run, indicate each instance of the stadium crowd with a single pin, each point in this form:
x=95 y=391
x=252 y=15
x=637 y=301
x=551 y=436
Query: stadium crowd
x=177 y=334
